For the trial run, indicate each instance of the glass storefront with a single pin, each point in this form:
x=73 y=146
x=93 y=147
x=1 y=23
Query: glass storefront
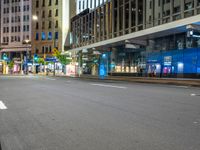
x=174 y=63
x=171 y=56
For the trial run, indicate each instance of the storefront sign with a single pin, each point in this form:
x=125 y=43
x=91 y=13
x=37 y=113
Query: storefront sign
x=168 y=60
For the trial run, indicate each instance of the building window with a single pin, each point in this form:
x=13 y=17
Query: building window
x=43 y=36
x=49 y=24
x=43 y=3
x=56 y=13
x=43 y=25
x=56 y=26
x=37 y=25
x=50 y=13
x=56 y=35
x=37 y=36
x=50 y=36
x=43 y=14
x=37 y=3
x=49 y=2
x=56 y=2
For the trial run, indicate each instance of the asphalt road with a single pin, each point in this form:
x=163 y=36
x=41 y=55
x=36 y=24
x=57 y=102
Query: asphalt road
x=40 y=113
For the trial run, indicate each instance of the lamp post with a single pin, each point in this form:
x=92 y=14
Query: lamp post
x=34 y=18
x=27 y=41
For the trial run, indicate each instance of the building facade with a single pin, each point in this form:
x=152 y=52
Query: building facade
x=16 y=30
x=51 y=25
x=138 y=37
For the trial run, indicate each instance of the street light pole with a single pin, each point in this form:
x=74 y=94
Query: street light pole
x=34 y=18
x=54 y=45
x=27 y=55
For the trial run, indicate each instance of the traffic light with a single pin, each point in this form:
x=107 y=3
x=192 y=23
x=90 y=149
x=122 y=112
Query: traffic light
x=35 y=58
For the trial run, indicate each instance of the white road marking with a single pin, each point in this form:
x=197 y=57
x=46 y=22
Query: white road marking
x=182 y=87
x=193 y=94
x=2 y=106
x=51 y=79
x=110 y=86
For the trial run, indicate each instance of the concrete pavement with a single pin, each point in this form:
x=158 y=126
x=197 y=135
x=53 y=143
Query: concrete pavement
x=46 y=113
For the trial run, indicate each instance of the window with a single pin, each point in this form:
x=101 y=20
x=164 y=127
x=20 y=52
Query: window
x=49 y=24
x=50 y=13
x=43 y=3
x=37 y=3
x=56 y=2
x=50 y=36
x=49 y=2
x=43 y=25
x=43 y=36
x=43 y=14
x=56 y=12
x=37 y=25
x=56 y=35
x=37 y=36
x=56 y=26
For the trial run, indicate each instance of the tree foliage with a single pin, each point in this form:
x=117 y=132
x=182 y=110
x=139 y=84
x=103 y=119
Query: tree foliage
x=41 y=61
x=11 y=64
x=62 y=58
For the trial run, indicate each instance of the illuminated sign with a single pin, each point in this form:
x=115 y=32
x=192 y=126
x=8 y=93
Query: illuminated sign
x=168 y=60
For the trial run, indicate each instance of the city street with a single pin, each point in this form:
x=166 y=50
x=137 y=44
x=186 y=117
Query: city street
x=47 y=113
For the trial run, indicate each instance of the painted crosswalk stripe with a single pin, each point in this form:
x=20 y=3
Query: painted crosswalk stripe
x=2 y=106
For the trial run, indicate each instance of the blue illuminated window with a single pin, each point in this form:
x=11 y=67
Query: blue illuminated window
x=43 y=36
x=50 y=36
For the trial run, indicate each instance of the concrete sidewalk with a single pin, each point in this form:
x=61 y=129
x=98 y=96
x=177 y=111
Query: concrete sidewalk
x=172 y=81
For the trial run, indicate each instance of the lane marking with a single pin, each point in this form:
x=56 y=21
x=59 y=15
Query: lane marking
x=193 y=94
x=110 y=86
x=2 y=106
x=51 y=79
x=186 y=87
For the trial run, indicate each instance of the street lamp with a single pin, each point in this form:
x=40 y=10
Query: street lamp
x=27 y=41
x=35 y=18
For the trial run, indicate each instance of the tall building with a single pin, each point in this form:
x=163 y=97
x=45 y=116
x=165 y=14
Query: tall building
x=51 y=25
x=15 y=30
x=158 y=38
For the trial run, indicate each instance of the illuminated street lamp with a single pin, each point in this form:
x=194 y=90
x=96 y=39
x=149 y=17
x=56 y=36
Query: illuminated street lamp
x=35 y=18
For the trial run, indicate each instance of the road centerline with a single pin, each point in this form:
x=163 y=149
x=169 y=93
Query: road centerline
x=2 y=106
x=109 y=86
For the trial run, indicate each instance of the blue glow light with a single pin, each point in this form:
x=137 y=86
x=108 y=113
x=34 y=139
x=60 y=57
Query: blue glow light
x=104 y=56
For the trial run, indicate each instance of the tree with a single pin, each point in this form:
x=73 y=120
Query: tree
x=41 y=61
x=11 y=65
x=62 y=58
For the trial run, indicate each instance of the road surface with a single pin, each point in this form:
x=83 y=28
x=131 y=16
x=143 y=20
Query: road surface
x=45 y=113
